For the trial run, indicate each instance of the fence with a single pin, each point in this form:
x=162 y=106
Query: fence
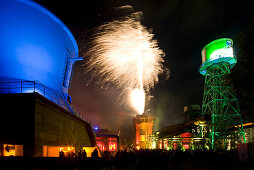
x=36 y=86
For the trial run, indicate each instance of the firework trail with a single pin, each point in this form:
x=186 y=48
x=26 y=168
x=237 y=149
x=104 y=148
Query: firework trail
x=123 y=52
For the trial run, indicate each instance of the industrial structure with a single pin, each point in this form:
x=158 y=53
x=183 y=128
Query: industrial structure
x=219 y=99
x=37 y=54
x=187 y=135
x=108 y=140
x=218 y=124
x=193 y=133
x=143 y=127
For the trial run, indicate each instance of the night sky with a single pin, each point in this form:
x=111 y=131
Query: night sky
x=182 y=29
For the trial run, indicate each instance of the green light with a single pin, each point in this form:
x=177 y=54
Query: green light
x=219 y=99
x=216 y=52
x=220 y=48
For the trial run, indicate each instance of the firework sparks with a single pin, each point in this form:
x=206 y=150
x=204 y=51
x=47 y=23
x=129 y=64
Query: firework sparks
x=124 y=53
x=137 y=98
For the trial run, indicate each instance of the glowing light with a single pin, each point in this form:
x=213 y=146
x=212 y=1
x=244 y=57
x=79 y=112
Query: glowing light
x=245 y=124
x=124 y=53
x=12 y=150
x=112 y=146
x=219 y=53
x=89 y=151
x=105 y=143
x=41 y=53
x=186 y=146
x=154 y=145
x=138 y=100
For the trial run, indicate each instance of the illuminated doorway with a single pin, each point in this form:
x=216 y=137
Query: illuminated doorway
x=12 y=150
x=53 y=151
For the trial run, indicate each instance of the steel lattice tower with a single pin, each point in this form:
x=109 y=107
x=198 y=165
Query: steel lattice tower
x=219 y=99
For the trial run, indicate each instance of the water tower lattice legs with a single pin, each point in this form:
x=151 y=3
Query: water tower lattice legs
x=220 y=102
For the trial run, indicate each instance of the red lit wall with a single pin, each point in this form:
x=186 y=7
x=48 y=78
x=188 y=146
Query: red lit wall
x=186 y=139
x=107 y=143
x=137 y=135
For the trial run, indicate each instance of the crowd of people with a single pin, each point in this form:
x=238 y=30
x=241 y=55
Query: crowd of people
x=158 y=159
x=132 y=160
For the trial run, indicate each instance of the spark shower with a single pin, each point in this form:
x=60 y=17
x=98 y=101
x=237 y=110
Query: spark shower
x=123 y=52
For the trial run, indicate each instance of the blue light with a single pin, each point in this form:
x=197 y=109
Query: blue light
x=96 y=128
x=35 y=46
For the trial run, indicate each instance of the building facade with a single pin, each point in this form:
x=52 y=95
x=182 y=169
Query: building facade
x=143 y=127
x=108 y=140
x=36 y=64
x=35 y=126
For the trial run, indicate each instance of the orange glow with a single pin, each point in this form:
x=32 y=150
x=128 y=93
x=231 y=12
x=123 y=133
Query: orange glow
x=89 y=151
x=67 y=149
x=138 y=147
x=12 y=150
x=142 y=138
x=53 y=151
x=245 y=124
x=143 y=130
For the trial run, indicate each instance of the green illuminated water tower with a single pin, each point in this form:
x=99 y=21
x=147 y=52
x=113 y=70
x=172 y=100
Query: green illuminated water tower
x=219 y=100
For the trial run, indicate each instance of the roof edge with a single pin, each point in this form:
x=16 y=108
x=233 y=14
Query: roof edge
x=54 y=18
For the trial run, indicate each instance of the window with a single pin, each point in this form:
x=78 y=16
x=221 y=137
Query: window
x=12 y=150
x=53 y=151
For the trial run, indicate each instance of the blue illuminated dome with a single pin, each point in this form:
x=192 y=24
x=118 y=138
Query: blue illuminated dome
x=37 y=51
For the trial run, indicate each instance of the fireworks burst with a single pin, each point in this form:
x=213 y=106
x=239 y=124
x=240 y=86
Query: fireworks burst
x=124 y=53
x=137 y=97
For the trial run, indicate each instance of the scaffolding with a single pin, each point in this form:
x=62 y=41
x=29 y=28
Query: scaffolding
x=219 y=99
x=220 y=102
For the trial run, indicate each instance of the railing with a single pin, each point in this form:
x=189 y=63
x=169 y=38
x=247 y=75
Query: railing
x=36 y=86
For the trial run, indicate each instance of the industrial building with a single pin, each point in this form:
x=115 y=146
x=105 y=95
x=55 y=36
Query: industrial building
x=37 y=55
x=143 y=128
x=35 y=126
x=193 y=133
x=189 y=134
x=186 y=135
x=218 y=124
x=219 y=98
x=108 y=140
